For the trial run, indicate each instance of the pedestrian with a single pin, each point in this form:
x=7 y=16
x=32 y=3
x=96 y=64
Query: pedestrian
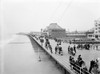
x=42 y=40
x=68 y=49
x=60 y=50
x=46 y=45
x=92 y=63
x=56 y=48
x=71 y=61
x=50 y=48
x=84 y=67
x=74 y=48
x=96 y=47
x=79 y=58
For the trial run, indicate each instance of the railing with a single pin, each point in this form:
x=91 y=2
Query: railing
x=78 y=69
x=75 y=67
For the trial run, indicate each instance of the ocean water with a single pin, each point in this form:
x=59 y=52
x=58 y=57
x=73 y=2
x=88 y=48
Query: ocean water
x=6 y=38
x=21 y=56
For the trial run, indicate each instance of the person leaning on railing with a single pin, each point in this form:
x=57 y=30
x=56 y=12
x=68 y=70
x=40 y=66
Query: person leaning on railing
x=75 y=66
x=71 y=61
x=84 y=67
x=80 y=61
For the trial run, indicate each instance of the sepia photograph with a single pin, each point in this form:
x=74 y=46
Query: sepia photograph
x=49 y=36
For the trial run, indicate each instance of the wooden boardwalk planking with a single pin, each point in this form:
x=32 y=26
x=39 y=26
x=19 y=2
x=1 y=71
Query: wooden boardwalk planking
x=62 y=60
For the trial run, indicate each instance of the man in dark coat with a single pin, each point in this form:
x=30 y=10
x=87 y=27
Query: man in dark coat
x=74 y=48
x=56 y=48
x=60 y=50
x=92 y=63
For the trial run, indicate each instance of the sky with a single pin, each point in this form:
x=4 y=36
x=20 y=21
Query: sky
x=32 y=15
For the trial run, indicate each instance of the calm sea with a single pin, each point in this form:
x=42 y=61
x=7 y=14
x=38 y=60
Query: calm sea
x=20 y=56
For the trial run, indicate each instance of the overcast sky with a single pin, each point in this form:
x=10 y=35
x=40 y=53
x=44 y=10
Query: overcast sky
x=32 y=15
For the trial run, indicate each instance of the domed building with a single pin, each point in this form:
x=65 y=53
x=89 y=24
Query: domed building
x=55 y=31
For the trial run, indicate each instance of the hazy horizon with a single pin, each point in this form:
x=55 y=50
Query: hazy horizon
x=32 y=15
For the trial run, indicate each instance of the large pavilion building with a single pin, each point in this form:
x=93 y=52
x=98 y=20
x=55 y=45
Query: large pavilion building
x=55 y=31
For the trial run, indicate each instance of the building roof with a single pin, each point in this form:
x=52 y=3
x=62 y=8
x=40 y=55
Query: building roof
x=88 y=32
x=53 y=26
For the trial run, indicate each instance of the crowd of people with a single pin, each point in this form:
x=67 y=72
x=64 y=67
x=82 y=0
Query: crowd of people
x=72 y=50
x=94 y=66
x=58 y=50
x=80 y=65
x=83 y=46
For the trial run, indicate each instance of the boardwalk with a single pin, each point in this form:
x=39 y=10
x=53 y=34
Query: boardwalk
x=87 y=55
x=62 y=60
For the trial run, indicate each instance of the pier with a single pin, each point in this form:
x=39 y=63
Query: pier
x=59 y=60
x=62 y=60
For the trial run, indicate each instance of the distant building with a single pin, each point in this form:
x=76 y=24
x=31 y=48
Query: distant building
x=97 y=29
x=76 y=35
x=90 y=34
x=55 y=31
x=94 y=33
